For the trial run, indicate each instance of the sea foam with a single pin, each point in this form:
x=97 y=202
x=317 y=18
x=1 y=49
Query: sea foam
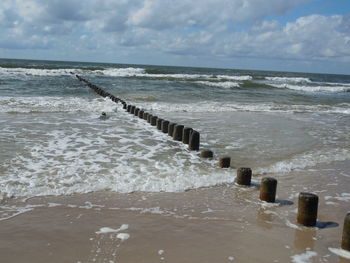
x=329 y=89
x=289 y=79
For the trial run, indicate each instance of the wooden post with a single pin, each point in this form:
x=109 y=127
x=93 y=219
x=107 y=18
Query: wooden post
x=165 y=126
x=193 y=144
x=178 y=130
x=244 y=176
x=206 y=154
x=307 y=209
x=345 y=243
x=224 y=162
x=268 y=188
x=171 y=129
x=186 y=135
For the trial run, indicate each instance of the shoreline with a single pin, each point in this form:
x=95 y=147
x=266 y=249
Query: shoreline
x=223 y=223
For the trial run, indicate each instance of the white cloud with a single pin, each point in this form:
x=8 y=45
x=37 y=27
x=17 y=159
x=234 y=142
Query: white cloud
x=209 y=28
x=161 y=14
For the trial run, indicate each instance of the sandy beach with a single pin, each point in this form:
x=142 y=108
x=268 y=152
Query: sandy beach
x=225 y=223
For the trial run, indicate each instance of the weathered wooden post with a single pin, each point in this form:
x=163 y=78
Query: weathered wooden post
x=268 y=188
x=345 y=243
x=186 y=135
x=132 y=111
x=194 y=142
x=154 y=120
x=244 y=176
x=159 y=123
x=178 y=130
x=141 y=114
x=149 y=117
x=224 y=162
x=165 y=126
x=171 y=128
x=206 y=154
x=307 y=209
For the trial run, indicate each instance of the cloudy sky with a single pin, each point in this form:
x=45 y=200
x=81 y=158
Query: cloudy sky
x=286 y=35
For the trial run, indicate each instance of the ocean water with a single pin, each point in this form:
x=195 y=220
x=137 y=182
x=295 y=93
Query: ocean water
x=52 y=141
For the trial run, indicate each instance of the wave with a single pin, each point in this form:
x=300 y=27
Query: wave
x=15 y=72
x=78 y=104
x=308 y=159
x=117 y=72
x=336 y=88
x=49 y=67
x=289 y=79
x=211 y=106
x=140 y=72
x=54 y=104
x=224 y=84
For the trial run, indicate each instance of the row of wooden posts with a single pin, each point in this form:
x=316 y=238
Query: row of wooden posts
x=177 y=131
x=307 y=202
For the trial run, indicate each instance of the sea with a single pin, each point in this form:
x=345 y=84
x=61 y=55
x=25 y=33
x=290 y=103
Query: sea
x=71 y=181
x=52 y=141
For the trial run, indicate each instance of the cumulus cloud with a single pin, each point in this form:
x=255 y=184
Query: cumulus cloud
x=160 y=14
x=217 y=28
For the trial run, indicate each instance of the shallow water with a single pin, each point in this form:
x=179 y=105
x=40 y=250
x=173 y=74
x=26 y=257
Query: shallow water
x=52 y=141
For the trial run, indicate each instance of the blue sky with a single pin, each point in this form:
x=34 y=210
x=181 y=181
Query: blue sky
x=284 y=35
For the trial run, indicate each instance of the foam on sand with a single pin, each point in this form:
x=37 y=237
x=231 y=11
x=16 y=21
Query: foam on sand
x=123 y=236
x=105 y=230
x=304 y=257
x=340 y=252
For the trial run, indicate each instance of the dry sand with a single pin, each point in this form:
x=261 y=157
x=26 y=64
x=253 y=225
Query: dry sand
x=225 y=223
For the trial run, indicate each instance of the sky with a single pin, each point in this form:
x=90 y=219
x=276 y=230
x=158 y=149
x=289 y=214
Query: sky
x=282 y=35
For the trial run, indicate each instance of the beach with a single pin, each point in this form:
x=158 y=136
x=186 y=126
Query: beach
x=75 y=188
x=218 y=224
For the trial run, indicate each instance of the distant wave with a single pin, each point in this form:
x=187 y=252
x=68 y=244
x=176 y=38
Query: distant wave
x=117 y=72
x=336 y=88
x=224 y=84
x=15 y=72
x=289 y=79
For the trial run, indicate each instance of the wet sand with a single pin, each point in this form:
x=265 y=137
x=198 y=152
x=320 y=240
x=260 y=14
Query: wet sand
x=225 y=223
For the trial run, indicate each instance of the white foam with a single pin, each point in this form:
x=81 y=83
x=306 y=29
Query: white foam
x=120 y=156
x=291 y=225
x=304 y=257
x=105 y=230
x=307 y=159
x=8 y=212
x=289 y=79
x=310 y=88
x=122 y=72
x=224 y=84
x=55 y=104
x=114 y=72
x=123 y=236
x=213 y=106
x=340 y=252
x=342 y=197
